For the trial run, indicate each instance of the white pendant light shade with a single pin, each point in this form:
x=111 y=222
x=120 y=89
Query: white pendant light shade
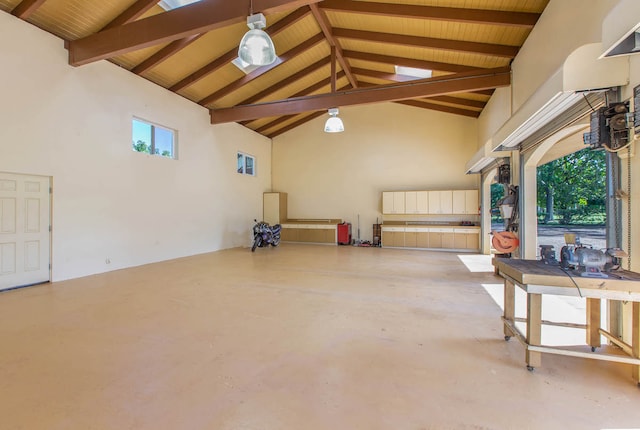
x=256 y=47
x=333 y=124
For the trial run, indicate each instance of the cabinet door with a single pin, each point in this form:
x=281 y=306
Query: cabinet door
x=398 y=202
x=398 y=238
x=459 y=201
x=473 y=241
x=289 y=234
x=410 y=202
x=305 y=235
x=446 y=202
x=422 y=202
x=435 y=240
x=460 y=241
x=411 y=239
x=330 y=236
x=448 y=240
x=472 y=202
x=422 y=240
x=387 y=202
x=434 y=202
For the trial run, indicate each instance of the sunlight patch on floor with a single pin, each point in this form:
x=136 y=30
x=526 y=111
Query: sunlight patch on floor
x=476 y=262
x=554 y=308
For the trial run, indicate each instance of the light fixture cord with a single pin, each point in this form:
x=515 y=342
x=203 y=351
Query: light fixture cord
x=250 y=7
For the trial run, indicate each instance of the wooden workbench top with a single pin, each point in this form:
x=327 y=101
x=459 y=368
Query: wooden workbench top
x=534 y=272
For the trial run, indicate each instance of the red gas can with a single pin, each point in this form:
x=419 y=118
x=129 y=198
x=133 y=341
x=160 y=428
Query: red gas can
x=344 y=233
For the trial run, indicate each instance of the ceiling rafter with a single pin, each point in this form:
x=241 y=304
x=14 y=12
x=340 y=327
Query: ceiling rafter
x=196 y=18
x=230 y=55
x=505 y=51
x=305 y=92
x=408 y=62
x=459 y=101
x=26 y=8
x=476 y=16
x=166 y=52
x=292 y=53
x=132 y=13
x=325 y=26
x=441 y=108
x=295 y=124
x=461 y=82
x=287 y=81
x=304 y=119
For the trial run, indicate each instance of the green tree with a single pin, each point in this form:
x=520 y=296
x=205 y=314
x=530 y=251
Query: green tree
x=572 y=186
x=141 y=146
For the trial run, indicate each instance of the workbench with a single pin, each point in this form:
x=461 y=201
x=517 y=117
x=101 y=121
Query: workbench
x=536 y=278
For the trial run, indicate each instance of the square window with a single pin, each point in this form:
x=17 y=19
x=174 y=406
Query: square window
x=246 y=164
x=153 y=139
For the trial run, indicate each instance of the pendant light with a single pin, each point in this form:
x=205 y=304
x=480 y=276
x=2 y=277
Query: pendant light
x=333 y=124
x=256 y=47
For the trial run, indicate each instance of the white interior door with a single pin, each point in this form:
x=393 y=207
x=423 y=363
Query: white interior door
x=24 y=230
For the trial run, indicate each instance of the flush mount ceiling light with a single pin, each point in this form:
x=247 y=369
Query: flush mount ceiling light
x=333 y=124
x=256 y=47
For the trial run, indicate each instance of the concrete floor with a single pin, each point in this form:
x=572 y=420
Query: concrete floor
x=294 y=337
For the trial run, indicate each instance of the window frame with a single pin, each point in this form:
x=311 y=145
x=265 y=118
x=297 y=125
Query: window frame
x=152 y=144
x=243 y=170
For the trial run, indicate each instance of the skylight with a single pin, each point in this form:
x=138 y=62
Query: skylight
x=174 y=4
x=244 y=66
x=413 y=72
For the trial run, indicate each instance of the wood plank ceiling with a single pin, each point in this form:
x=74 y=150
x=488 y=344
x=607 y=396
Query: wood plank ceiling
x=331 y=53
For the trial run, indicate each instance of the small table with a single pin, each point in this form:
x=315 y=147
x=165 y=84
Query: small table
x=536 y=278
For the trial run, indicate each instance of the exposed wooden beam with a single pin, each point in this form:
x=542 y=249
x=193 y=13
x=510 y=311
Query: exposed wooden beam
x=304 y=46
x=459 y=101
x=26 y=7
x=408 y=62
x=194 y=77
x=444 y=99
x=325 y=26
x=382 y=75
x=461 y=82
x=230 y=55
x=476 y=16
x=299 y=122
x=287 y=81
x=164 y=53
x=132 y=13
x=295 y=124
x=196 y=18
x=309 y=90
x=440 y=108
x=505 y=51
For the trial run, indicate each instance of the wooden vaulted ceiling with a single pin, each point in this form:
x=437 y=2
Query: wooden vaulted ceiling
x=330 y=52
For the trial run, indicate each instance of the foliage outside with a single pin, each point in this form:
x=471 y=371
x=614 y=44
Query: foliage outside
x=141 y=146
x=571 y=189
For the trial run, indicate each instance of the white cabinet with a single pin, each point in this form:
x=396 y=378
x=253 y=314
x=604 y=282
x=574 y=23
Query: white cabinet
x=465 y=202
x=441 y=202
x=274 y=209
x=393 y=202
x=416 y=202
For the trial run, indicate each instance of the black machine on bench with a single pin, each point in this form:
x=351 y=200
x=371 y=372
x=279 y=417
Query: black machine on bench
x=585 y=261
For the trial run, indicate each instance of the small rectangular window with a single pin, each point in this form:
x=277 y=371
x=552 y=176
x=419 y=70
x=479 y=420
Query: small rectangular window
x=246 y=164
x=153 y=139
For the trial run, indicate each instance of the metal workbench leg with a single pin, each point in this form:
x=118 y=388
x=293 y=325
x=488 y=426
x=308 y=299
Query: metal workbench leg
x=509 y=307
x=593 y=323
x=534 y=329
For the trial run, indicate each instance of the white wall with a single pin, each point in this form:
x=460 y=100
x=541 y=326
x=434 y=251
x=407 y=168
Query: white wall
x=385 y=147
x=74 y=124
x=564 y=26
